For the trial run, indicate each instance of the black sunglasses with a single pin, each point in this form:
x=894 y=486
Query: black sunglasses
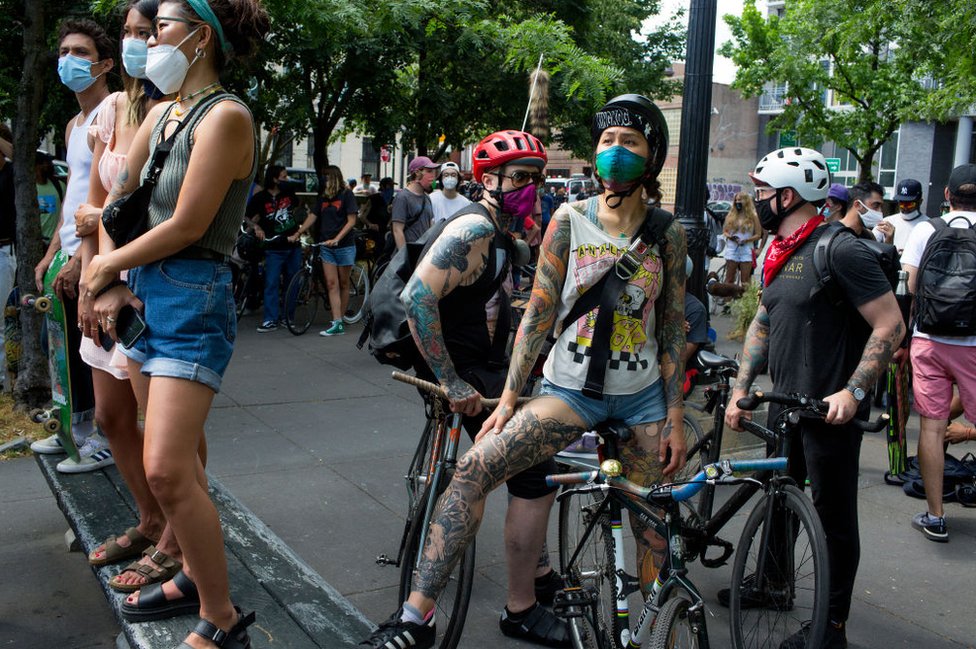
x=523 y=178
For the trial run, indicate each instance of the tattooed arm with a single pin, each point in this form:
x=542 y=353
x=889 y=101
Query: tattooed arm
x=671 y=344
x=540 y=313
x=755 y=353
x=887 y=329
x=458 y=257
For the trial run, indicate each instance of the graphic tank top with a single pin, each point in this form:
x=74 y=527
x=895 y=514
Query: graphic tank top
x=633 y=363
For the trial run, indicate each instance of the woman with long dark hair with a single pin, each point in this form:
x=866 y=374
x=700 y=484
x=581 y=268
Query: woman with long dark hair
x=182 y=282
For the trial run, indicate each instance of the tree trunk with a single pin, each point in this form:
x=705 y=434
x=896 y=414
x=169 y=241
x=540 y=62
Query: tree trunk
x=32 y=389
x=867 y=162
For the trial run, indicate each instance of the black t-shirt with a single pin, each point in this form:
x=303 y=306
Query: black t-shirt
x=276 y=216
x=696 y=315
x=815 y=347
x=333 y=213
x=8 y=211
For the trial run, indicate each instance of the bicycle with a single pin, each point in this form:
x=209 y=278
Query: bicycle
x=307 y=289
x=791 y=576
x=247 y=275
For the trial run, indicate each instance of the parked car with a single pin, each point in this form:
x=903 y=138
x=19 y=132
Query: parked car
x=304 y=181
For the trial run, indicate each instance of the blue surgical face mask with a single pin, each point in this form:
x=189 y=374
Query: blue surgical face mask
x=75 y=72
x=134 y=53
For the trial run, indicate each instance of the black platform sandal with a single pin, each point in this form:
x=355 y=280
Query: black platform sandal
x=236 y=638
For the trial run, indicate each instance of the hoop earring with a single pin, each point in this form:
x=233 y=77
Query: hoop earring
x=201 y=53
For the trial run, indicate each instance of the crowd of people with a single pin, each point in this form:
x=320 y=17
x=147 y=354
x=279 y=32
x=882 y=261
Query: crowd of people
x=627 y=363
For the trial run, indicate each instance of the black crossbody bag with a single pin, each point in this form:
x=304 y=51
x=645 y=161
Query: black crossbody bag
x=127 y=218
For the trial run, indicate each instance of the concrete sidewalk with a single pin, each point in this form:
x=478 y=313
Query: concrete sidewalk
x=313 y=436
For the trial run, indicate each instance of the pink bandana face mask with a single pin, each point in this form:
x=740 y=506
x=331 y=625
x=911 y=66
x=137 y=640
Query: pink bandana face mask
x=519 y=202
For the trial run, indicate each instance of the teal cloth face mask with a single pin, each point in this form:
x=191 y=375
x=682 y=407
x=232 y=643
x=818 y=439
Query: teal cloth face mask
x=619 y=167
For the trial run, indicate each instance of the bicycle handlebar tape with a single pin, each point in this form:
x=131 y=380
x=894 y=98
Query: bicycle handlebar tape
x=581 y=477
x=765 y=464
x=875 y=426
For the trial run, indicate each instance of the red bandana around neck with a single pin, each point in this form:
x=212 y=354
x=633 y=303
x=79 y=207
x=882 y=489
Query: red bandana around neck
x=782 y=249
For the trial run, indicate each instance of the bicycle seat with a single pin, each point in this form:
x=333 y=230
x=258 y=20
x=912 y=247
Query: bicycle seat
x=715 y=361
x=614 y=428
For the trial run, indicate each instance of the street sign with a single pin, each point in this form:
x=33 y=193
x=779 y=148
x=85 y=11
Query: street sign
x=833 y=165
x=787 y=139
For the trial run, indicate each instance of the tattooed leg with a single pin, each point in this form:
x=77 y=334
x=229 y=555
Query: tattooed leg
x=536 y=432
x=641 y=465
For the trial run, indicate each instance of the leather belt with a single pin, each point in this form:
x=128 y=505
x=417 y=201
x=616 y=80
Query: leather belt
x=198 y=252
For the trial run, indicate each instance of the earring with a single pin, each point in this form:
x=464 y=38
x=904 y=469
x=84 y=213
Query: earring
x=201 y=53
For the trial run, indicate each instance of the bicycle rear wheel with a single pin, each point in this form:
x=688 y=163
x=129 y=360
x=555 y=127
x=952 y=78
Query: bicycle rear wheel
x=593 y=570
x=792 y=585
x=301 y=303
x=358 y=292
x=452 y=604
x=673 y=627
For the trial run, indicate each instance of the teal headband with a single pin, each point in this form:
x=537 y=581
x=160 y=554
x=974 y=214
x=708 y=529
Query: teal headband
x=202 y=9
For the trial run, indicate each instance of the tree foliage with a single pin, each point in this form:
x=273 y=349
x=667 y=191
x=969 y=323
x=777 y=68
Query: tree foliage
x=861 y=56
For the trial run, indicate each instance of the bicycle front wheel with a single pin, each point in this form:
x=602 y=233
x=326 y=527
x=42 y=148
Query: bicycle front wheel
x=301 y=303
x=780 y=576
x=673 y=627
x=697 y=456
x=358 y=292
x=452 y=604
x=593 y=571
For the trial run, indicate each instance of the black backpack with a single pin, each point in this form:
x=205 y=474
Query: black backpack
x=885 y=253
x=385 y=318
x=945 y=291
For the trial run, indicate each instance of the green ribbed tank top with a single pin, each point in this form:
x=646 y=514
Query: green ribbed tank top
x=221 y=236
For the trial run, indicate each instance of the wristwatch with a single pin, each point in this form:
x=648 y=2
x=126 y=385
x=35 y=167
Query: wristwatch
x=857 y=392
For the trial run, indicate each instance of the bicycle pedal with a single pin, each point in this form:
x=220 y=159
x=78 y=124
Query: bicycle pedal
x=571 y=602
x=384 y=560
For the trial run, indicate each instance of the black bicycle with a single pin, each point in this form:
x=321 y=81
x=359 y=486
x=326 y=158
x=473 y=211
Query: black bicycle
x=306 y=291
x=781 y=561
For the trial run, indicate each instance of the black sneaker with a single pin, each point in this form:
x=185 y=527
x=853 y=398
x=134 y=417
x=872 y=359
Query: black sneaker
x=547 y=586
x=397 y=634
x=933 y=527
x=834 y=638
x=538 y=625
x=775 y=598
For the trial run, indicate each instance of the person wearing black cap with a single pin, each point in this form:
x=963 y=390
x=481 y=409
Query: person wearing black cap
x=939 y=361
x=909 y=197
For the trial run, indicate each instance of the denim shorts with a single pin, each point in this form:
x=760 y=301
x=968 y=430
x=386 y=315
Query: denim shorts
x=190 y=317
x=644 y=407
x=344 y=256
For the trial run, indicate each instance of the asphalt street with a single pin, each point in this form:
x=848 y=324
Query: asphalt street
x=313 y=436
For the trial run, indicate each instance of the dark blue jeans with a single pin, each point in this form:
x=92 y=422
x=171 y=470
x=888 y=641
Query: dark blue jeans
x=279 y=267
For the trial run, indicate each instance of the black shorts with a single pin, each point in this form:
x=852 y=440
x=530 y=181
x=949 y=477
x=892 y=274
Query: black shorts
x=529 y=484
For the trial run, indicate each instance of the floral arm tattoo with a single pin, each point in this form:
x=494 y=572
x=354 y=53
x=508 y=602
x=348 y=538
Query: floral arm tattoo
x=671 y=337
x=457 y=258
x=755 y=350
x=877 y=353
x=543 y=304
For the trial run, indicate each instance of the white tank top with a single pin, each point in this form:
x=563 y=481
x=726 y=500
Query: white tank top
x=79 y=162
x=633 y=363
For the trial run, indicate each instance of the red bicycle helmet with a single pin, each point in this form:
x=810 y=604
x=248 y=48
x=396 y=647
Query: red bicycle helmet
x=507 y=147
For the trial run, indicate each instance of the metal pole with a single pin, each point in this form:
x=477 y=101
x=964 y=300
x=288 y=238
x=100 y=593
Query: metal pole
x=696 y=111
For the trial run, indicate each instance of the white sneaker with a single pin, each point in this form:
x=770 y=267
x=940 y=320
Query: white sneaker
x=48 y=446
x=95 y=454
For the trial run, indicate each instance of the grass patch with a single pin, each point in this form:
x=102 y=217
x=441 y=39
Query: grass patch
x=15 y=424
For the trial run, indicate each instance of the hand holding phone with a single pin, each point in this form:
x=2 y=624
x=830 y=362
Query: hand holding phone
x=129 y=326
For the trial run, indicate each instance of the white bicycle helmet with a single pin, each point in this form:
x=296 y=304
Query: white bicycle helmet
x=805 y=170
x=449 y=165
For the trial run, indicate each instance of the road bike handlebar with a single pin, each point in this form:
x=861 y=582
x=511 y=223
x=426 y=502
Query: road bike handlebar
x=719 y=472
x=439 y=390
x=815 y=406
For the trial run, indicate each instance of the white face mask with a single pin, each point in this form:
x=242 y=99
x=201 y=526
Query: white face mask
x=869 y=217
x=449 y=182
x=166 y=66
x=134 y=54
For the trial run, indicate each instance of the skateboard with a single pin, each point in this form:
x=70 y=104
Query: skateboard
x=57 y=419
x=899 y=409
x=11 y=337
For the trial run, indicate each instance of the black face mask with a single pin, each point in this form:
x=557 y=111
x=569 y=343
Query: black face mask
x=738 y=206
x=767 y=219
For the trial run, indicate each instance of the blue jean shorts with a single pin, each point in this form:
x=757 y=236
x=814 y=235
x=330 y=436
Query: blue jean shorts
x=191 y=322
x=642 y=407
x=344 y=256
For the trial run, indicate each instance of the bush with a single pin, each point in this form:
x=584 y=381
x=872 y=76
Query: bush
x=744 y=310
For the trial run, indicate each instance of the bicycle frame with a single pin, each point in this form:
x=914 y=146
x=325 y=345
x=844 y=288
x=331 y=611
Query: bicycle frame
x=443 y=467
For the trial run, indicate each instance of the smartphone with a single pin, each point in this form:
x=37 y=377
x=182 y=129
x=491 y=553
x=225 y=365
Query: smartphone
x=130 y=326
x=103 y=340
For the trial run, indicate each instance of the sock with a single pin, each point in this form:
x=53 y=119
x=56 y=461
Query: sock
x=518 y=617
x=82 y=430
x=545 y=580
x=412 y=614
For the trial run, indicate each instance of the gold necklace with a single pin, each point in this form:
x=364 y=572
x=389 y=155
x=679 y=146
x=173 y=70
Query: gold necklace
x=179 y=99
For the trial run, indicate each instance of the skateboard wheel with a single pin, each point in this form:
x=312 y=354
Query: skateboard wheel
x=52 y=425
x=43 y=304
x=37 y=415
x=28 y=300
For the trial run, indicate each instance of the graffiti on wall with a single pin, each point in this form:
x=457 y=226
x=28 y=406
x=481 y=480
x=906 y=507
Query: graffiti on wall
x=720 y=191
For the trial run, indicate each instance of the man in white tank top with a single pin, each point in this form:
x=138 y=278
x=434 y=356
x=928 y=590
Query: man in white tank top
x=86 y=54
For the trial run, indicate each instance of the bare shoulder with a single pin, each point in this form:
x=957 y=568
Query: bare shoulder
x=469 y=228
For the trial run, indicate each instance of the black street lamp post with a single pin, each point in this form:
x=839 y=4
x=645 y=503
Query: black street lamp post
x=696 y=111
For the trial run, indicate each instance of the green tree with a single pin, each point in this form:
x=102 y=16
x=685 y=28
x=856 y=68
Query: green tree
x=861 y=54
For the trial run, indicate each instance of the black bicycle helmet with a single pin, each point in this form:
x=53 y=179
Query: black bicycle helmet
x=639 y=112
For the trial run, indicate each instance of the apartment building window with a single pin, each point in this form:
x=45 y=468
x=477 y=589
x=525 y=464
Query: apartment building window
x=371 y=158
